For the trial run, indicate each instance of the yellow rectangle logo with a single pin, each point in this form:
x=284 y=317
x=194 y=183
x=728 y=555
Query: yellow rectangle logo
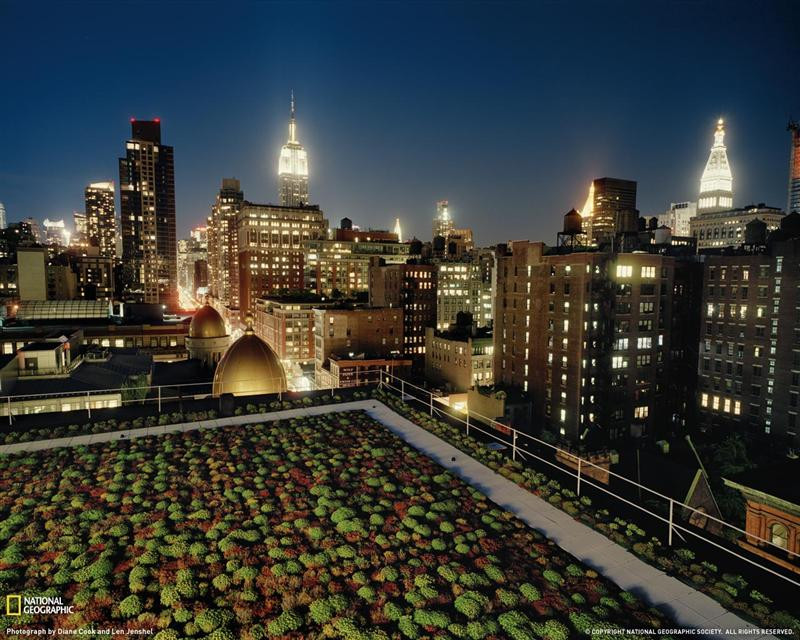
x=13 y=605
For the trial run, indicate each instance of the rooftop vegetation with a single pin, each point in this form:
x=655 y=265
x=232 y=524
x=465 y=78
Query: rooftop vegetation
x=325 y=526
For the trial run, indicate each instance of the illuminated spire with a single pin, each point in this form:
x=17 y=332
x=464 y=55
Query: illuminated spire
x=292 y=123
x=588 y=207
x=293 y=166
x=398 y=230
x=716 y=185
x=586 y=214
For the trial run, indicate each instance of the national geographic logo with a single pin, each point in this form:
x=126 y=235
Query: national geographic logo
x=16 y=605
x=13 y=605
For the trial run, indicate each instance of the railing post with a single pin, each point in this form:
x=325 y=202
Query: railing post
x=402 y=390
x=671 y=505
x=467 y=421
x=514 y=444
x=10 y=421
x=88 y=406
x=431 y=397
x=579 y=475
x=159 y=398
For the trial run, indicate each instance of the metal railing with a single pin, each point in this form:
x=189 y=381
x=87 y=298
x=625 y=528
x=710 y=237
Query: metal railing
x=158 y=395
x=409 y=391
x=66 y=401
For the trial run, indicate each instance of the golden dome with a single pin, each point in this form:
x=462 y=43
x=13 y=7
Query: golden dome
x=250 y=367
x=207 y=323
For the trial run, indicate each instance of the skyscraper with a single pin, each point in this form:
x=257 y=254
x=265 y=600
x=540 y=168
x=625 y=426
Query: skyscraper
x=2 y=216
x=147 y=208
x=442 y=223
x=716 y=185
x=101 y=228
x=293 y=169
x=223 y=245
x=794 y=169
x=609 y=197
x=35 y=229
x=55 y=232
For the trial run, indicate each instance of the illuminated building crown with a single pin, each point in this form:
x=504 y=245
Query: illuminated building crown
x=716 y=185
x=293 y=168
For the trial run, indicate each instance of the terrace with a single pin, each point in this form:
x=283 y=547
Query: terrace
x=676 y=602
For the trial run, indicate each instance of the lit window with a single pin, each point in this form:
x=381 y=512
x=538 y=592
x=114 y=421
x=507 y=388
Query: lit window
x=779 y=535
x=624 y=271
x=648 y=272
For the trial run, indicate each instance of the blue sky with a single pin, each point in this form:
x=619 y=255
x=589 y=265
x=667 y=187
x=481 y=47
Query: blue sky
x=506 y=109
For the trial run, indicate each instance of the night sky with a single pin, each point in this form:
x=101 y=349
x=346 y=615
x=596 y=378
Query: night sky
x=507 y=110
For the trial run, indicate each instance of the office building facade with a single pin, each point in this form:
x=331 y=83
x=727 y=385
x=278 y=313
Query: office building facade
x=361 y=331
x=610 y=198
x=287 y=326
x=678 y=218
x=465 y=285
x=717 y=229
x=271 y=248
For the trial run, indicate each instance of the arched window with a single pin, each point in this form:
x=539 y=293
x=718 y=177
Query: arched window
x=779 y=535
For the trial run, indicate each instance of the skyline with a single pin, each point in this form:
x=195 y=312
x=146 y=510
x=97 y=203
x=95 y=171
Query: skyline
x=480 y=136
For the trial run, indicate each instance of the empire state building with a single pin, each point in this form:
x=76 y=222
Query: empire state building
x=293 y=168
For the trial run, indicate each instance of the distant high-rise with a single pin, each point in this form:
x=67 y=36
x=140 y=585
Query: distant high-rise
x=293 y=169
x=794 y=170
x=2 y=216
x=147 y=210
x=442 y=223
x=101 y=228
x=35 y=230
x=609 y=198
x=55 y=232
x=716 y=185
x=677 y=217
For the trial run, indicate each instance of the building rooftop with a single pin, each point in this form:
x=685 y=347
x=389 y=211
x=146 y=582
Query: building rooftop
x=43 y=345
x=363 y=357
x=302 y=207
x=89 y=376
x=461 y=334
x=774 y=480
x=298 y=298
x=190 y=371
